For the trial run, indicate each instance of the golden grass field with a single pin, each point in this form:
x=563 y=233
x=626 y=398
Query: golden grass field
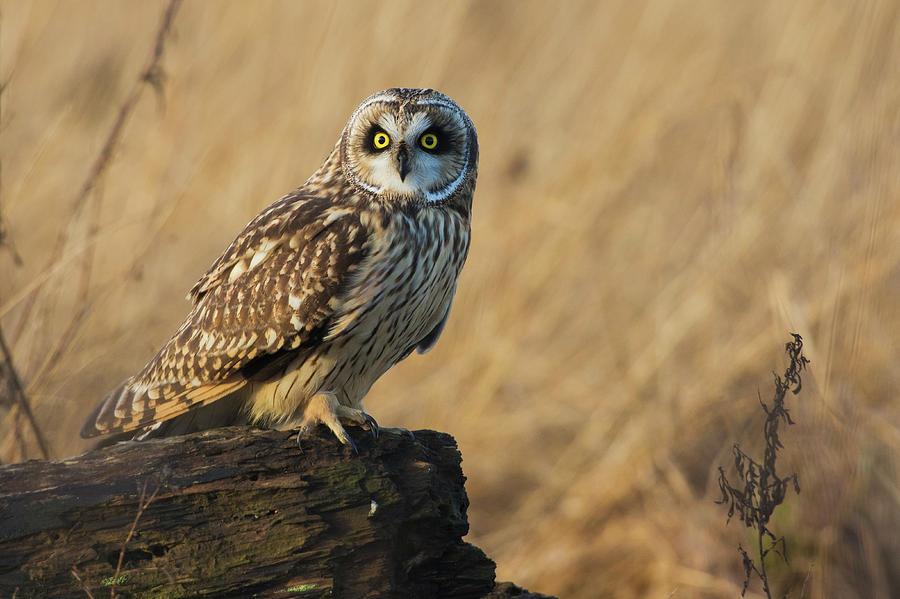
x=667 y=189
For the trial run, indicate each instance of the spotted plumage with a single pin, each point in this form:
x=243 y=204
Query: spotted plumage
x=326 y=289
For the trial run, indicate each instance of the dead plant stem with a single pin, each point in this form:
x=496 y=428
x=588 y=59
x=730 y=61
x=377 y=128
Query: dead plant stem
x=21 y=398
x=151 y=73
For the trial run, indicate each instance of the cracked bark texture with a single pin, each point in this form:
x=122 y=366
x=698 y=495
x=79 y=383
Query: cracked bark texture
x=240 y=512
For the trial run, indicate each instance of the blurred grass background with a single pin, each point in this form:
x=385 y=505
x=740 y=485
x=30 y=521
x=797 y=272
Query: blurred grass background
x=666 y=190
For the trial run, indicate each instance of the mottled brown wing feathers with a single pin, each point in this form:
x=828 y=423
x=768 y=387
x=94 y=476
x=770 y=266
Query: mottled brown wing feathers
x=275 y=288
x=276 y=223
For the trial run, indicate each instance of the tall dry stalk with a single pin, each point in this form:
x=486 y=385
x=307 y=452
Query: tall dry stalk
x=763 y=489
x=151 y=74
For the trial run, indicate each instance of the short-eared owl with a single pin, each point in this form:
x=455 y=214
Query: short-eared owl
x=326 y=289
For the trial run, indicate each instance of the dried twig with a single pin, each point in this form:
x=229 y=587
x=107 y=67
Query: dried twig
x=5 y=241
x=152 y=73
x=763 y=489
x=20 y=398
x=143 y=503
x=84 y=587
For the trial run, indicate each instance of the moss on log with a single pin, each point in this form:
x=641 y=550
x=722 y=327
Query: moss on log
x=239 y=512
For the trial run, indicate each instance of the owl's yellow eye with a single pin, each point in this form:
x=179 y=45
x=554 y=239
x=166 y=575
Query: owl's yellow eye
x=381 y=140
x=429 y=141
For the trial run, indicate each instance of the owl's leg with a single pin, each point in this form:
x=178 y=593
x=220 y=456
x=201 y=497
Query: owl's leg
x=324 y=408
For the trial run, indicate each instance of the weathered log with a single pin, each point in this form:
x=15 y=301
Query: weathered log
x=239 y=512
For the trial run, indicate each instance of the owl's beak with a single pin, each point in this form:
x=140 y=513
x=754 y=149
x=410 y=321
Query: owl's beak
x=403 y=162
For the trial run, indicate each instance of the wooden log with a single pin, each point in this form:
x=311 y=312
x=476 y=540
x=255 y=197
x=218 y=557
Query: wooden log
x=240 y=512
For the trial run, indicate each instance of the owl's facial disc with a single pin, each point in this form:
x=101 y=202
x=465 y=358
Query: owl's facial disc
x=408 y=149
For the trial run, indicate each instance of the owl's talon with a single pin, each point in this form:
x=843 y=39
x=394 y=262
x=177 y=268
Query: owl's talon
x=303 y=432
x=344 y=438
x=373 y=426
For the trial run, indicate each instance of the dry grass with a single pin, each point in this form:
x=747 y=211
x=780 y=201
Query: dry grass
x=666 y=190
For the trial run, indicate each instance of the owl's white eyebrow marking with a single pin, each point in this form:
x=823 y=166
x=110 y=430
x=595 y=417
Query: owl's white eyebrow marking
x=437 y=102
x=388 y=123
x=375 y=100
x=389 y=100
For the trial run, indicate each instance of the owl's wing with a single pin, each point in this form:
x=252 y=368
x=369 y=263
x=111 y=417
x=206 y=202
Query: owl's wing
x=429 y=340
x=274 y=289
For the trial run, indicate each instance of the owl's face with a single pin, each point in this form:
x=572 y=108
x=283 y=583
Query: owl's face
x=409 y=144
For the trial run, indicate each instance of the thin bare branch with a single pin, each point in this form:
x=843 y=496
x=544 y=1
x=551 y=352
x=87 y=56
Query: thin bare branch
x=152 y=74
x=21 y=398
x=5 y=241
x=84 y=587
x=143 y=503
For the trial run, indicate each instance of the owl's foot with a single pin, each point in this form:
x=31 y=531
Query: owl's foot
x=360 y=418
x=326 y=409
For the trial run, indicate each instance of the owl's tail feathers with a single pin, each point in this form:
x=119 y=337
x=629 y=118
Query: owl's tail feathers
x=102 y=420
x=133 y=406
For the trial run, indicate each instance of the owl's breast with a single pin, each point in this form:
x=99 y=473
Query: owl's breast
x=403 y=289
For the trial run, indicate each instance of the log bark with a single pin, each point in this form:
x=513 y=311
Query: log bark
x=239 y=512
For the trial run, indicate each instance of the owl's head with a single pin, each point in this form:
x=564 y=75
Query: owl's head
x=410 y=144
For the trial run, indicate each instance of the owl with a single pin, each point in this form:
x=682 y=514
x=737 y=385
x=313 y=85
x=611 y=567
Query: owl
x=325 y=290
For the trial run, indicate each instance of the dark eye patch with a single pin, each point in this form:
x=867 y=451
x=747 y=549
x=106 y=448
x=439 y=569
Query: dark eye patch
x=445 y=143
x=369 y=140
